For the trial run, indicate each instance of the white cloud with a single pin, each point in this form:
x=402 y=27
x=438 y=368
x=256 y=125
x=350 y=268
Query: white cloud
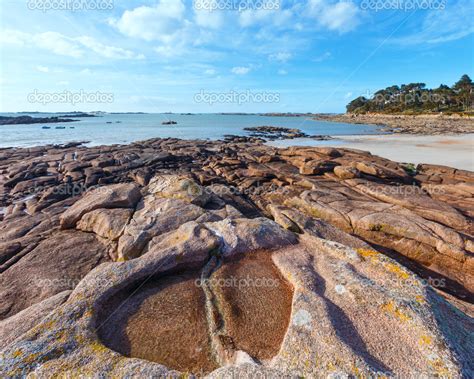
x=207 y=19
x=240 y=70
x=158 y=23
x=210 y=71
x=280 y=57
x=51 y=41
x=60 y=44
x=342 y=16
x=63 y=83
x=14 y=37
x=347 y=95
x=108 y=51
x=42 y=69
x=282 y=72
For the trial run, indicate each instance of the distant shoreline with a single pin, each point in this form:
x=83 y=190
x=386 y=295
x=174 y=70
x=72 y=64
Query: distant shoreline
x=27 y=120
x=423 y=124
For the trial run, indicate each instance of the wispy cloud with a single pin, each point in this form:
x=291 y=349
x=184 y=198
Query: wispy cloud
x=240 y=70
x=280 y=57
x=442 y=25
x=59 y=44
x=340 y=16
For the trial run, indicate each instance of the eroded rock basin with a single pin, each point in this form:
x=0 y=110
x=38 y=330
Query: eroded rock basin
x=193 y=321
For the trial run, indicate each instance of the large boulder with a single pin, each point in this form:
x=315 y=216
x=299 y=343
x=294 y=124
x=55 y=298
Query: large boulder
x=153 y=217
x=239 y=235
x=112 y=196
x=106 y=223
x=179 y=187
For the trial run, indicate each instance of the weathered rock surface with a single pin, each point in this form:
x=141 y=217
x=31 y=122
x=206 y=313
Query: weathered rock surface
x=56 y=264
x=114 y=196
x=186 y=232
x=342 y=311
x=106 y=223
x=13 y=327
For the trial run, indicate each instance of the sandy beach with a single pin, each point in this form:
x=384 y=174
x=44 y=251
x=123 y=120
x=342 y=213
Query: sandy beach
x=454 y=151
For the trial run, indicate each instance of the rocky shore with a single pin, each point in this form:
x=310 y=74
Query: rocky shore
x=420 y=124
x=32 y=120
x=233 y=258
x=272 y=133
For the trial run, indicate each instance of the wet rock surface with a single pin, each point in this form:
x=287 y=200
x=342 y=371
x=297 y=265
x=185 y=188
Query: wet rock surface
x=105 y=245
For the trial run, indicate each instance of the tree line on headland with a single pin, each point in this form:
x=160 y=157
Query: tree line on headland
x=415 y=98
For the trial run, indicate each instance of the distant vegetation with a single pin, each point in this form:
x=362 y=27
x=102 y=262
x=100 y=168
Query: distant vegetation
x=31 y=120
x=415 y=98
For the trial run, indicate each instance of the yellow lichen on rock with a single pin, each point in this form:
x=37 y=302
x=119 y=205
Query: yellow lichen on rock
x=392 y=309
x=440 y=368
x=420 y=299
x=425 y=340
x=97 y=347
x=17 y=353
x=397 y=270
x=368 y=254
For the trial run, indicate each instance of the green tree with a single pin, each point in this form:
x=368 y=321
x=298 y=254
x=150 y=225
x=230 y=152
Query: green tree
x=416 y=98
x=357 y=105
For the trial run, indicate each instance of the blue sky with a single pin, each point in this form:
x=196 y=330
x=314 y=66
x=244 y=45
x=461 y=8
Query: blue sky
x=156 y=55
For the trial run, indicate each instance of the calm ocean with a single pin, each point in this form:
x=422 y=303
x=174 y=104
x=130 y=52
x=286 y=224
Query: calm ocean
x=125 y=128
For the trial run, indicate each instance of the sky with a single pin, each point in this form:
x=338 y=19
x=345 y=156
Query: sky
x=206 y=56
